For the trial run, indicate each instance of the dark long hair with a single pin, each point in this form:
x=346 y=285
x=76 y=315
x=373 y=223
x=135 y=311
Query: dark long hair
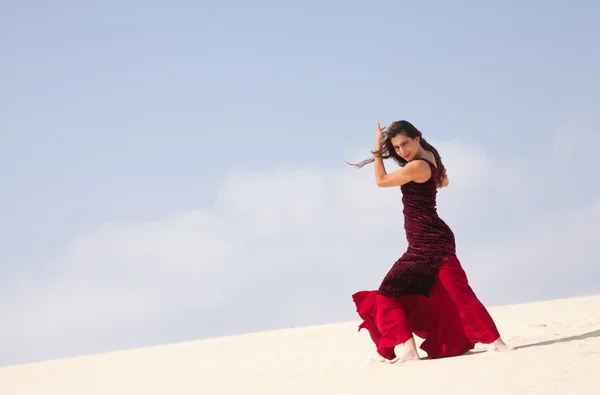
x=387 y=150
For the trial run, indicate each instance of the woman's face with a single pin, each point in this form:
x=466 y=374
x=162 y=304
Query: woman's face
x=405 y=147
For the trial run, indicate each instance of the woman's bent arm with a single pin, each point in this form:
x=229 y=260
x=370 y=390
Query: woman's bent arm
x=410 y=172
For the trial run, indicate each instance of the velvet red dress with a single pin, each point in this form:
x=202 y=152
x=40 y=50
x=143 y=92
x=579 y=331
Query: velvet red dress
x=426 y=292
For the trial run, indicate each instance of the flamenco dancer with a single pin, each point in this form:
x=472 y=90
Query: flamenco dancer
x=426 y=292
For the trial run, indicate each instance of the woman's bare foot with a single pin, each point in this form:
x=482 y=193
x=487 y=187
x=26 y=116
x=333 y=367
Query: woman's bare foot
x=500 y=346
x=409 y=352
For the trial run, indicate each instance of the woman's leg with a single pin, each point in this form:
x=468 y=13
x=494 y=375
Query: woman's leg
x=478 y=324
x=393 y=324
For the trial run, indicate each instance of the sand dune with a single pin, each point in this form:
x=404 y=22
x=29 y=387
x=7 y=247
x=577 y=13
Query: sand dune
x=558 y=352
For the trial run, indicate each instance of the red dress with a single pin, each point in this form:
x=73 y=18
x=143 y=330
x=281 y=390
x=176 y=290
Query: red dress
x=426 y=292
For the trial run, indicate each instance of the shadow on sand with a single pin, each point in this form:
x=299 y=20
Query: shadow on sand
x=562 y=340
x=584 y=336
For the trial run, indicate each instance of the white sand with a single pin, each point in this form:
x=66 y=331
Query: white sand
x=559 y=354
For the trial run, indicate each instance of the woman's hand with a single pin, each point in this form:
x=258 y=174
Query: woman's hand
x=379 y=136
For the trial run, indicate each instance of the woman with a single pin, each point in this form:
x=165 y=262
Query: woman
x=426 y=292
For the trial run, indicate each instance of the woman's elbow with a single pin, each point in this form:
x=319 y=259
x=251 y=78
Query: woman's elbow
x=385 y=182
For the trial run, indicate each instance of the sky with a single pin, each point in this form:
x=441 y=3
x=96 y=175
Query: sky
x=173 y=171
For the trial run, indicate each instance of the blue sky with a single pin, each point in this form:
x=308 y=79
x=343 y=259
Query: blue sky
x=135 y=134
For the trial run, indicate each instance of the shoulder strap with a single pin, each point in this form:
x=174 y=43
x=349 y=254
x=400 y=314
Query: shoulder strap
x=430 y=163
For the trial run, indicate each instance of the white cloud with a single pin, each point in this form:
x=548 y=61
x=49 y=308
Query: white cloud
x=289 y=239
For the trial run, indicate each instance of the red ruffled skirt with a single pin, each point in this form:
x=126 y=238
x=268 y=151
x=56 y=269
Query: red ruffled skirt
x=451 y=320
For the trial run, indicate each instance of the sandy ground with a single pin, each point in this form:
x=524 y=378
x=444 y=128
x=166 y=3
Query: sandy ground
x=558 y=352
